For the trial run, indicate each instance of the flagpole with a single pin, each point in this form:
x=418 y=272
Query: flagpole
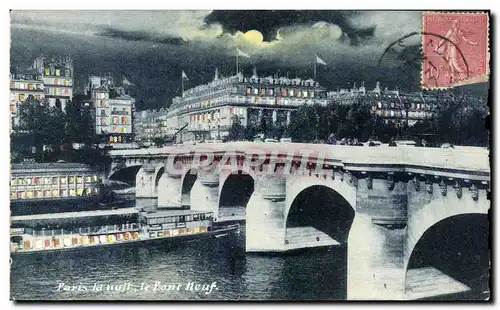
x=237 y=61
x=315 y=61
x=182 y=83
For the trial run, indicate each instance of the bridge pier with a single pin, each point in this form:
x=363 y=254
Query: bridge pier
x=265 y=220
x=205 y=192
x=145 y=182
x=376 y=241
x=169 y=190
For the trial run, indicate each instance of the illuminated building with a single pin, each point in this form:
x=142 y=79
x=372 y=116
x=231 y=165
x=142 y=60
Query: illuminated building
x=22 y=86
x=57 y=75
x=390 y=105
x=209 y=110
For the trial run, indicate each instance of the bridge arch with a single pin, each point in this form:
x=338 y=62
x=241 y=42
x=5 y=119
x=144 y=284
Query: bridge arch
x=187 y=182
x=159 y=170
x=318 y=213
x=440 y=219
x=297 y=184
x=235 y=189
x=126 y=174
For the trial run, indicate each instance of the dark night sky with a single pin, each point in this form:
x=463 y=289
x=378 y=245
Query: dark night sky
x=152 y=47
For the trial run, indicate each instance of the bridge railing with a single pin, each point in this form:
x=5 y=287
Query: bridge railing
x=460 y=157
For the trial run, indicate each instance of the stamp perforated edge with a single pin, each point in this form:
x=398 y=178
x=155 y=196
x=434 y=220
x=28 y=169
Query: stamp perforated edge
x=479 y=79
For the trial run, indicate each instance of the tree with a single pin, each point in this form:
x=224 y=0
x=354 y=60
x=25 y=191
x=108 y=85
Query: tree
x=236 y=131
x=302 y=125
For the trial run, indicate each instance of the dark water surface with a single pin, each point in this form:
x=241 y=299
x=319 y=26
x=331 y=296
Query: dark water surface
x=311 y=274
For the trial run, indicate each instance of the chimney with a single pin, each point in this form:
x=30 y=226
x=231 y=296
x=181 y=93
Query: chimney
x=216 y=77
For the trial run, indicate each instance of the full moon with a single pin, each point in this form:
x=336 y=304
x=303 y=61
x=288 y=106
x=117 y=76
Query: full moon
x=254 y=36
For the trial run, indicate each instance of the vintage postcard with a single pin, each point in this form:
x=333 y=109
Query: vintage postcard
x=249 y=155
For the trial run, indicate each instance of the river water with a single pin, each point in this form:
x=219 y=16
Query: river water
x=207 y=269
x=305 y=275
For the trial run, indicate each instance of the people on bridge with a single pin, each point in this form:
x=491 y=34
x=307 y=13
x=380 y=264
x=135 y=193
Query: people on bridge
x=392 y=143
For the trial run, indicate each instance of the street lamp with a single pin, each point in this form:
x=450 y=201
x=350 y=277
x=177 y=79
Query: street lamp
x=209 y=129
x=218 y=129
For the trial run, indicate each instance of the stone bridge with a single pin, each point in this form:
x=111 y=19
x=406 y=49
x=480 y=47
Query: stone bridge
x=379 y=202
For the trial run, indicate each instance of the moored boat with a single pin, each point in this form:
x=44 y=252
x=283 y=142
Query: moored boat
x=93 y=229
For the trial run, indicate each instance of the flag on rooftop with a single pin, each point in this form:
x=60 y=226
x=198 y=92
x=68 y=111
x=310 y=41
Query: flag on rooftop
x=127 y=82
x=320 y=61
x=243 y=54
x=184 y=76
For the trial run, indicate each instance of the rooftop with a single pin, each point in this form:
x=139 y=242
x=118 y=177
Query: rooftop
x=171 y=213
x=65 y=215
x=43 y=166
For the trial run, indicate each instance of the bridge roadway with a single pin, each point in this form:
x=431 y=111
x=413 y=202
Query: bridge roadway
x=380 y=201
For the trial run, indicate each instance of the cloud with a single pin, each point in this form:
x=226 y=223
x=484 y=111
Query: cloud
x=389 y=25
x=299 y=43
x=129 y=25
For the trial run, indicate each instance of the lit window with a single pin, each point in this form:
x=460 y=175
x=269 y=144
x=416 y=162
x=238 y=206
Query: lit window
x=20 y=195
x=95 y=178
x=96 y=190
x=39 y=194
x=79 y=180
x=29 y=181
x=36 y=180
x=64 y=180
x=88 y=179
x=55 y=193
x=46 y=180
x=72 y=193
x=13 y=195
x=20 y=181
x=46 y=193
x=47 y=72
x=64 y=193
x=79 y=191
x=71 y=180
x=55 y=180
x=58 y=72
x=124 y=130
x=29 y=194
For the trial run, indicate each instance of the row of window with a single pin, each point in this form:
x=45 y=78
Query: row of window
x=115 y=139
x=79 y=192
x=54 y=180
x=57 y=91
x=57 y=72
x=23 y=97
x=119 y=120
x=180 y=218
x=118 y=129
x=27 y=86
x=283 y=92
x=413 y=106
x=102 y=95
x=56 y=81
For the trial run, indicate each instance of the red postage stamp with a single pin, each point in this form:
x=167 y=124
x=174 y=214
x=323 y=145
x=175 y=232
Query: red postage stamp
x=455 y=49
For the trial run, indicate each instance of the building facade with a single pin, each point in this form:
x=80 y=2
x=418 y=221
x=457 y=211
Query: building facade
x=57 y=75
x=390 y=105
x=114 y=110
x=150 y=125
x=24 y=86
x=209 y=110
x=41 y=181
